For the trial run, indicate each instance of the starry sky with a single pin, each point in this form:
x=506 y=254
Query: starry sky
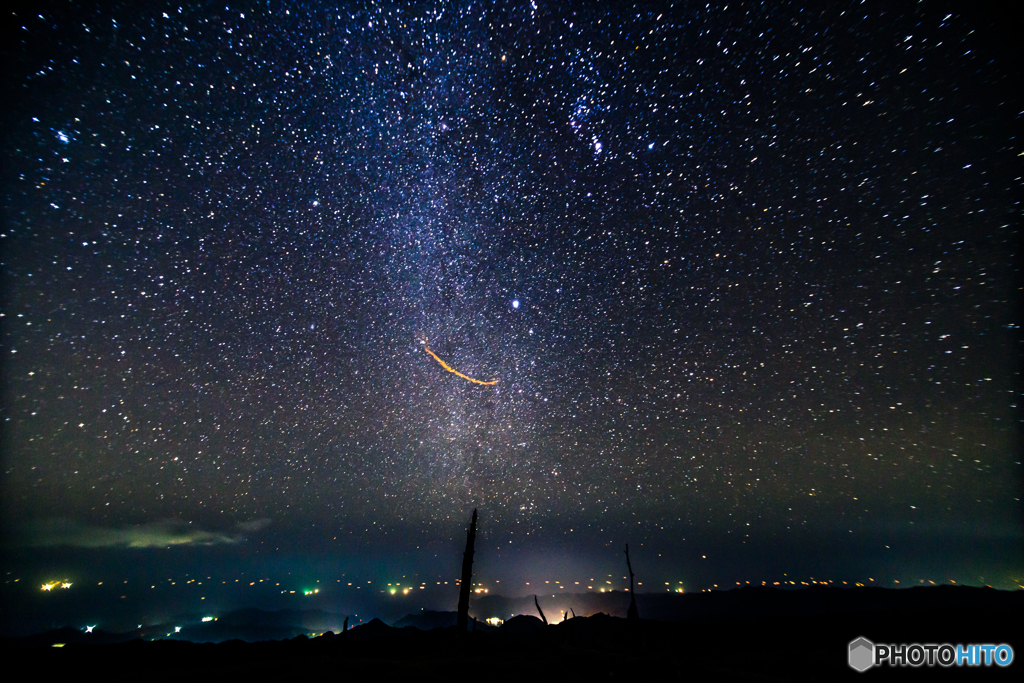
x=746 y=276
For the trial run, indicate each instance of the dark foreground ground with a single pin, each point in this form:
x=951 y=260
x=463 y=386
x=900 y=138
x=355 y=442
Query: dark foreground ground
x=762 y=635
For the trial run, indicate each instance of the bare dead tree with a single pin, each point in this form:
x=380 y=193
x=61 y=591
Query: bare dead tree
x=632 y=614
x=462 y=619
x=542 y=617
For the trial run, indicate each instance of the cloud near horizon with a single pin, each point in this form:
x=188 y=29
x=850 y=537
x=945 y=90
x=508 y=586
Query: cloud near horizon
x=159 y=534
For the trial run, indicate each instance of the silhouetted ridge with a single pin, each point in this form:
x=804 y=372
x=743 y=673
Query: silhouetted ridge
x=428 y=620
x=727 y=635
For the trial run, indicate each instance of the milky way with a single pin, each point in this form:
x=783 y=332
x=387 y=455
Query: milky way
x=749 y=269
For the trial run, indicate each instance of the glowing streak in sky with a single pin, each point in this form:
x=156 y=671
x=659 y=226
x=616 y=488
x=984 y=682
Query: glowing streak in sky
x=453 y=370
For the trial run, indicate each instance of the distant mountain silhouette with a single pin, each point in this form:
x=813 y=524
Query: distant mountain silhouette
x=255 y=625
x=75 y=636
x=310 y=620
x=746 y=602
x=374 y=630
x=428 y=620
x=727 y=635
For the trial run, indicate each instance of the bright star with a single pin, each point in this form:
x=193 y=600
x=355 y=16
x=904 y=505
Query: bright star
x=88 y=629
x=515 y=303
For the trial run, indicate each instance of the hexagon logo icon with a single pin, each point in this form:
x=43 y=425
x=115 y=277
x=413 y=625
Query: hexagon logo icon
x=862 y=654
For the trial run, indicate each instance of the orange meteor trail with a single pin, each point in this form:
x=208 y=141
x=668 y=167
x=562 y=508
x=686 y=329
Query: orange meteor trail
x=453 y=370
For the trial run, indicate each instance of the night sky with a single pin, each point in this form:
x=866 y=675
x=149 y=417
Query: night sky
x=746 y=277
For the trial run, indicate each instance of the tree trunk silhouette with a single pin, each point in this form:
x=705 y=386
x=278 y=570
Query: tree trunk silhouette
x=462 y=620
x=632 y=614
x=542 y=617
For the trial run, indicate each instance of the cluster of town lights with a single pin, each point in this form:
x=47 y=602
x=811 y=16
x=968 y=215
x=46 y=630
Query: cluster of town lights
x=478 y=588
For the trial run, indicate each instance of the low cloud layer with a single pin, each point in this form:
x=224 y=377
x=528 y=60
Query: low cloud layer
x=159 y=534
x=254 y=525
